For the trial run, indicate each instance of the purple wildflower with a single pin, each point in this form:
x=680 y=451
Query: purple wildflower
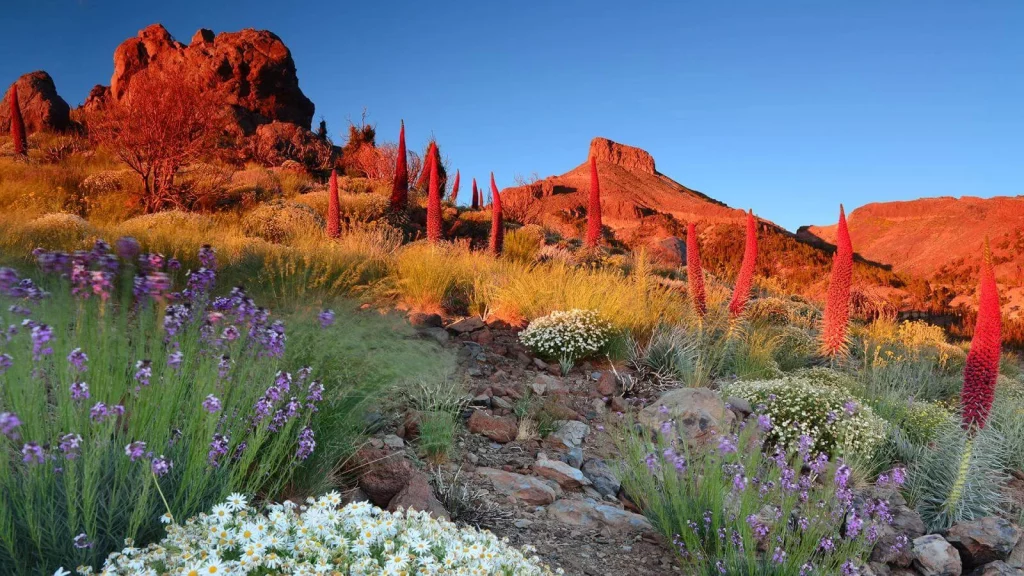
x=211 y=404
x=739 y=482
x=207 y=256
x=779 y=556
x=99 y=412
x=826 y=544
x=224 y=367
x=218 y=448
x=79 y=391
x=69 y=444
x=230 y=333
x=32 y=453
x=326 y=318
x=127 y=248
x=9 y=424
x=42 y=334
x=850 y=407
x=161 y=466
x=135 y=450
x=174 y=360
x=726 y=444
x=764 y=421
x=306 y=444
x=82 y=541
x=77 y=359
x=6 y=361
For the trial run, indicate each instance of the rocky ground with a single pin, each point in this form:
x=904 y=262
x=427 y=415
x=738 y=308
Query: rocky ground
x=558 y=491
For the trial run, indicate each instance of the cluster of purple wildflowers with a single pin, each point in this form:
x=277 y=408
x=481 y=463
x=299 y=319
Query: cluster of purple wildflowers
x=218 y=447
x=13 y=286
x=239 y=312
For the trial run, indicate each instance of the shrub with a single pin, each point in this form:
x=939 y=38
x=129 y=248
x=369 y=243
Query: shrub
x=567 y=336
x=356 y=539
x=353 y=208
x=742 y=511
x=107 y=182
x=60 y=230
x=523 y=244
x=118 y=407
x=803 y=405
x=281 y=222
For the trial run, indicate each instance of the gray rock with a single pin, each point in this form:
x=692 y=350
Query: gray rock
x=438 y=334
x=574 y=457
x=984 y=540
x=540 y=364
x=567 y=477
x=604 y=478
x=933 y=556
x=499 y=402
x=392 y=441
x=527 y=489
x=698 y=414
x=466 y=325
x=570 y=432
x=740 y=405
x=997 y=568
x=588 y=513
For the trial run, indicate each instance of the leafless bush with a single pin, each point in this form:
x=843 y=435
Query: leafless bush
x=464 y=503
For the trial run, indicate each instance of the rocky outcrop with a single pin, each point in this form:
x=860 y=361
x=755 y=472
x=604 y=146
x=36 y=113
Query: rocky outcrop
x=629 y=157
x=251 y=71
x=41 y=107
x=983 y=541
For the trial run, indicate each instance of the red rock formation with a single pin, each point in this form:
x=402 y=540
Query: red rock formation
x=630 y=158
x=497 y=240
x=433 y=203
x=981 y=370
x=333 y=208
x=400 y=183
x=593 y=208
x=42 y=109
x=251 y=71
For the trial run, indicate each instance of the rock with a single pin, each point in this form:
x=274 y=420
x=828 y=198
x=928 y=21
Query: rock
x=588 y=513
x=618 y=404
x=250 y=71
x=1016 y=558
x=602 y=476
x=410 y=429
x=574 y=457
x=628 y=157
x=526 y=489
x=567 y=477
x=394 y=442
x=982 y=541
x=483 y=337
x=540 y=364
x=893 y=544
x=418 y=495
x=425 y=320
x=739 y=405
x=997 y=568
x=606 y=384
x=698 y=413
x=381 y=475
x=522 y=523
x=438 y=334
x=570 y=432
x=355 y=495
x=546 y=384
x=667 y=251
x=466 y=325
x=876 y=569
x=42 y=109
x=499 y=402
x=501 y=429
x=933 y=556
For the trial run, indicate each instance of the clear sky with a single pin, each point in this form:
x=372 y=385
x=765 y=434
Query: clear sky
x=785 y=107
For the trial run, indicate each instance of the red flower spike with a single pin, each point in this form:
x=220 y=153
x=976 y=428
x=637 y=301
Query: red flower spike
x=455 y=189
x=745 y=279
x=424 y=178
x=333 y=208
x=982 y=368
x=695 y=272
x=837 y=306
x=497 y=221
x=400 y=185
x=593 y=208
x=433 y=204
x=18 y=125
x=476 y=197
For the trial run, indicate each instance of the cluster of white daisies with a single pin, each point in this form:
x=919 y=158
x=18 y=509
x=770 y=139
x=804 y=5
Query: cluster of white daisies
x=320 y=538
x=567 y=335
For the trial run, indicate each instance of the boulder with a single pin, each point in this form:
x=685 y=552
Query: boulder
x=250 y=71
x=42 y=109
x=570 y=432
x=698 y=414
x=602 y=476
x=501 y=429
x=566 y=476
x=466 y=325
x=933 y=556
x=667 y=251
x=606 y=384
x=382 y=475
x=893 y=544
x=984 y=540
x=526 y=489
x=418 y=495
x=589 y=513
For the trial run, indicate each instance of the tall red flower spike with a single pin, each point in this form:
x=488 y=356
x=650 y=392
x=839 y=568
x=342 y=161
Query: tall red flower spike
x=18 y=124
x=424 y=173
x=497 y=221
x=837 y=307
x=695 y=272
x=593 y=208
x=745 y=279
x=333 y=209
x=455 y=189
x=400 y=185
x=476 y=197
x=433 y=204
x=982 y=368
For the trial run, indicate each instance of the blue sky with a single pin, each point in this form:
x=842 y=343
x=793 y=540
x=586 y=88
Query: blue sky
x=788 y=108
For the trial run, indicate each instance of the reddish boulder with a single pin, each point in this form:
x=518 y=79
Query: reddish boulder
x=381 y=475
x=629 y=157
x=251 y=71
x=501 y=429
x=418 y=495
x=41 y=107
